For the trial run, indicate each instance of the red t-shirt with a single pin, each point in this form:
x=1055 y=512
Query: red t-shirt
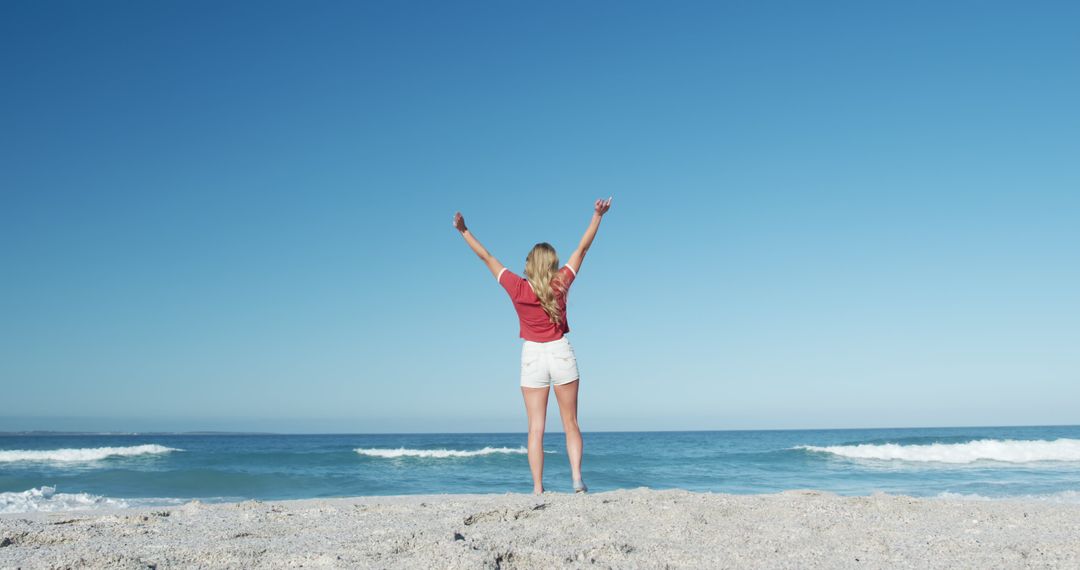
x=535 y=324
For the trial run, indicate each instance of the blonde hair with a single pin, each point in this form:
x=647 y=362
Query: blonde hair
x=542 y=271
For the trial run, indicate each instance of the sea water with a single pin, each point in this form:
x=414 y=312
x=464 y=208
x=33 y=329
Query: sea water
x=87 y=471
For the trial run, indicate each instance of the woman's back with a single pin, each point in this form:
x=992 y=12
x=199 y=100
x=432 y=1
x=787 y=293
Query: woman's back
x=535 y=323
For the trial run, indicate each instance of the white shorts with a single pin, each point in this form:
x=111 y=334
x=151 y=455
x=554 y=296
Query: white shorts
x=547 y=363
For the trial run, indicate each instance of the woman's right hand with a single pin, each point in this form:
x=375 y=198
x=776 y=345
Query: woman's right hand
x=602 y=206
x=459 y=222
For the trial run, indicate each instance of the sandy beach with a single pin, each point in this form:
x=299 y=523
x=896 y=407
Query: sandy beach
x=619 y=529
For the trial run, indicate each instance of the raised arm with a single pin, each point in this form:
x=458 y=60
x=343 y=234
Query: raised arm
x=599 y=209
x=492 y=264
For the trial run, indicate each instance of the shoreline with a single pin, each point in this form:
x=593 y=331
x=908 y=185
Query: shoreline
x=178 y=503
x=623 y=528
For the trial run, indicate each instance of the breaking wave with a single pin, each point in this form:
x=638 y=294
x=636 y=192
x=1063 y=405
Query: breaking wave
x=46 y=499
x=85 y=454
x=437 y=453
x=1005 y=451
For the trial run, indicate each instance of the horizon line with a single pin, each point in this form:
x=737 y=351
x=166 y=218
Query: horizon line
x=266 y=433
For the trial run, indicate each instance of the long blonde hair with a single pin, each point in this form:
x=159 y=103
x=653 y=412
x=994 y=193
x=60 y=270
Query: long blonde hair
x=542 y=271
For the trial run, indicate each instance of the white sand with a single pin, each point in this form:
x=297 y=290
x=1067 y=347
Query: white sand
x=620 y=529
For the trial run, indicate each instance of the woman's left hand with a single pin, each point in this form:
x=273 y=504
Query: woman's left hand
x=459 y=222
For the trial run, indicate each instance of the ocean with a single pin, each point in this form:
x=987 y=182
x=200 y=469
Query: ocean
x=43 y=472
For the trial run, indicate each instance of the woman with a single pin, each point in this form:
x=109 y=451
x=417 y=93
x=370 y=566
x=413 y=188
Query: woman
x=547 y=359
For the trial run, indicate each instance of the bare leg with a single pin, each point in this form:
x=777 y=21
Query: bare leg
x=566 y=394
x=536 y=400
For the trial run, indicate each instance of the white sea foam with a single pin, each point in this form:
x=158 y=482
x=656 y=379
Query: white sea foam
x=84 y=454
x=436 y=453
x=1006 y=451
x=1069 y=497
x=46 y=499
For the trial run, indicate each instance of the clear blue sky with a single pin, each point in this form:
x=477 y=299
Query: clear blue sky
x=827 y=214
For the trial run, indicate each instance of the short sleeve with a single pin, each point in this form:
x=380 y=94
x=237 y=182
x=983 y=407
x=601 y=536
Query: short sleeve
x=510 y=281
x=568 y=275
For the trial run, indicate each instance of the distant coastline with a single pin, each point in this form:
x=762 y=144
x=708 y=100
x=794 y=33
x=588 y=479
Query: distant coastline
x=129 y=433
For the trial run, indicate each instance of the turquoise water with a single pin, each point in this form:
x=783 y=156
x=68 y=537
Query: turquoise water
x=42 y=472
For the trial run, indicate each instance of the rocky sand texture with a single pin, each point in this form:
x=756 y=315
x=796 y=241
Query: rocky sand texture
x=620 y=529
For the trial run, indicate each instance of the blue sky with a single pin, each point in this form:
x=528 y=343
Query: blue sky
x=827 y=214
